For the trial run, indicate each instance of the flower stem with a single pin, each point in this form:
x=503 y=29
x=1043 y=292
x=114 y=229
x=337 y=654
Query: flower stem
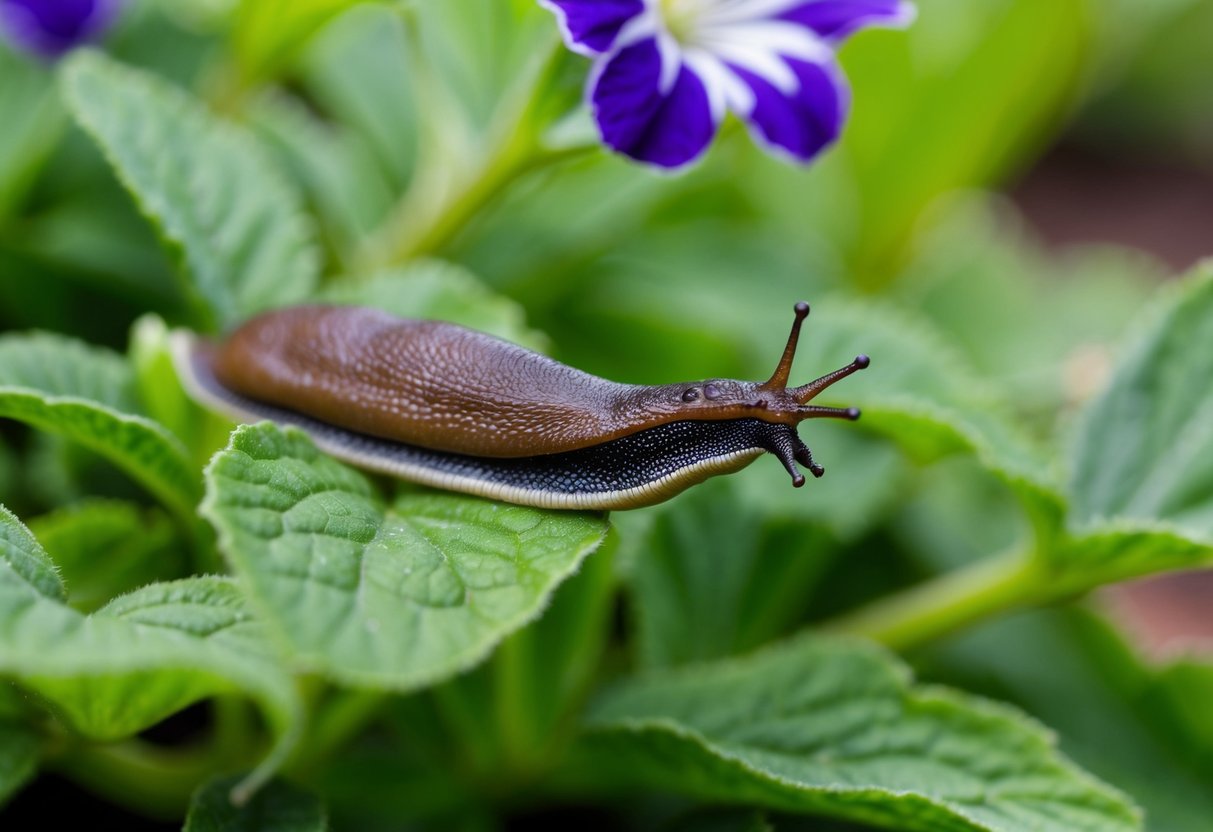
x=949 y=602
x=459 y=173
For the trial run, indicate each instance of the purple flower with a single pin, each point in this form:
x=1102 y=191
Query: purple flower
x=666 y=71
x=51 y=27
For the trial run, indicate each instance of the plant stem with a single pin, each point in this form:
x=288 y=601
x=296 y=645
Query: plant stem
x=341 y=719
x=949 y=602
x=455 y=179
x=154 y=781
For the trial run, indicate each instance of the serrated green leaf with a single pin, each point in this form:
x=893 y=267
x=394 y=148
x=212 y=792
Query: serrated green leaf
x=442 y=291
x=835 y=728
x=388 y=596
x=277 y=807
x=1075 y=671
x=704 y=590
x=138 y=659
x=211 y=191
x=86 y=395
x=1144 y=449
x=103 y=548
x=921 y=393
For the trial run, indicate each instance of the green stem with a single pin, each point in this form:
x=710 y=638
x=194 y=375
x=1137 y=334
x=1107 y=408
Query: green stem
x=151 y=780
x=449 y=189
x=949 y=602
x=343 y=718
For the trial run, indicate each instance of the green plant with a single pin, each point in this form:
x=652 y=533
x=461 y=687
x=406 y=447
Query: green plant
x=385 y=655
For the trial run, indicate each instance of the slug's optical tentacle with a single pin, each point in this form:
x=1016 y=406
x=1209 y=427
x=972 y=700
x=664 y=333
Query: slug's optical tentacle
x=807 y=392
x=779 y=379
x=813 y=411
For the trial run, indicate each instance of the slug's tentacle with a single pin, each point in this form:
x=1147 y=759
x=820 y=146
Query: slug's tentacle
x=806 y=393
x=783 y=371
x=784 y=445
x=813 y=411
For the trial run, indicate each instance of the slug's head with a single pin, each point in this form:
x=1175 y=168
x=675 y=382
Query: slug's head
x=771 y=401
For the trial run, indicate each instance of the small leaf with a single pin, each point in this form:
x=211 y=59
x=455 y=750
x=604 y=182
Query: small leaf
x=213 y=194
x=381 y=596
x=1144 y=449
x=104 y=548
x=835 y=728
x=277 y=807
x=142 y=657
x=87 y=395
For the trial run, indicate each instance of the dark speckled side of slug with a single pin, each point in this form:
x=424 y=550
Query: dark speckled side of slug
x=453 y=408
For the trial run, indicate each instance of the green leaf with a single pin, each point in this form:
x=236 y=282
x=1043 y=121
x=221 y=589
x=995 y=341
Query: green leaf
x=519 y=710
x=33 y=121
x=925 y=396
x=277 y=807
x=704 y=590
x=1073 y=670
x=443 y=291
x=387 y=596
x=103 y=548
x=142 y=657
x=358 y=72
x=331 y=162
x=968 y=92
x=235 y=224
x=87 y=395
x=1144 y=449
x=835 y=728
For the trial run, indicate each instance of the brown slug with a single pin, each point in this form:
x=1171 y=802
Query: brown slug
x=450 y=407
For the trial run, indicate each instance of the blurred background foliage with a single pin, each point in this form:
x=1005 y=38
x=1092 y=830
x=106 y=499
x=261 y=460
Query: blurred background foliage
x=962 y=206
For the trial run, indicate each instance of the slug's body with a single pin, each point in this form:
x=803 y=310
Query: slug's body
x=450 y=407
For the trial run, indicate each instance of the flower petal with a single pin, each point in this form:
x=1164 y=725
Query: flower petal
x=665 y=124
x=798 y=124
x=836 y=19
x=52 y=27
x=592 y=26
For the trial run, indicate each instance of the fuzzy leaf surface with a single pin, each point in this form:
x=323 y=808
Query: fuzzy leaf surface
x=835 y=728
x=236 y=226
x=392 y=596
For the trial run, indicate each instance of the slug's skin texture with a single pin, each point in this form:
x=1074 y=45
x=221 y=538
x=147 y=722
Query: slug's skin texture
x=447 y=406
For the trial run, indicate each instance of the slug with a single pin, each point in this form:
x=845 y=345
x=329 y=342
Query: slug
x=453 y=408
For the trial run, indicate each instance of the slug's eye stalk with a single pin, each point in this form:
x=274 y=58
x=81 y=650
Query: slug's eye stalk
x=779 y=379
x=806 y=393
